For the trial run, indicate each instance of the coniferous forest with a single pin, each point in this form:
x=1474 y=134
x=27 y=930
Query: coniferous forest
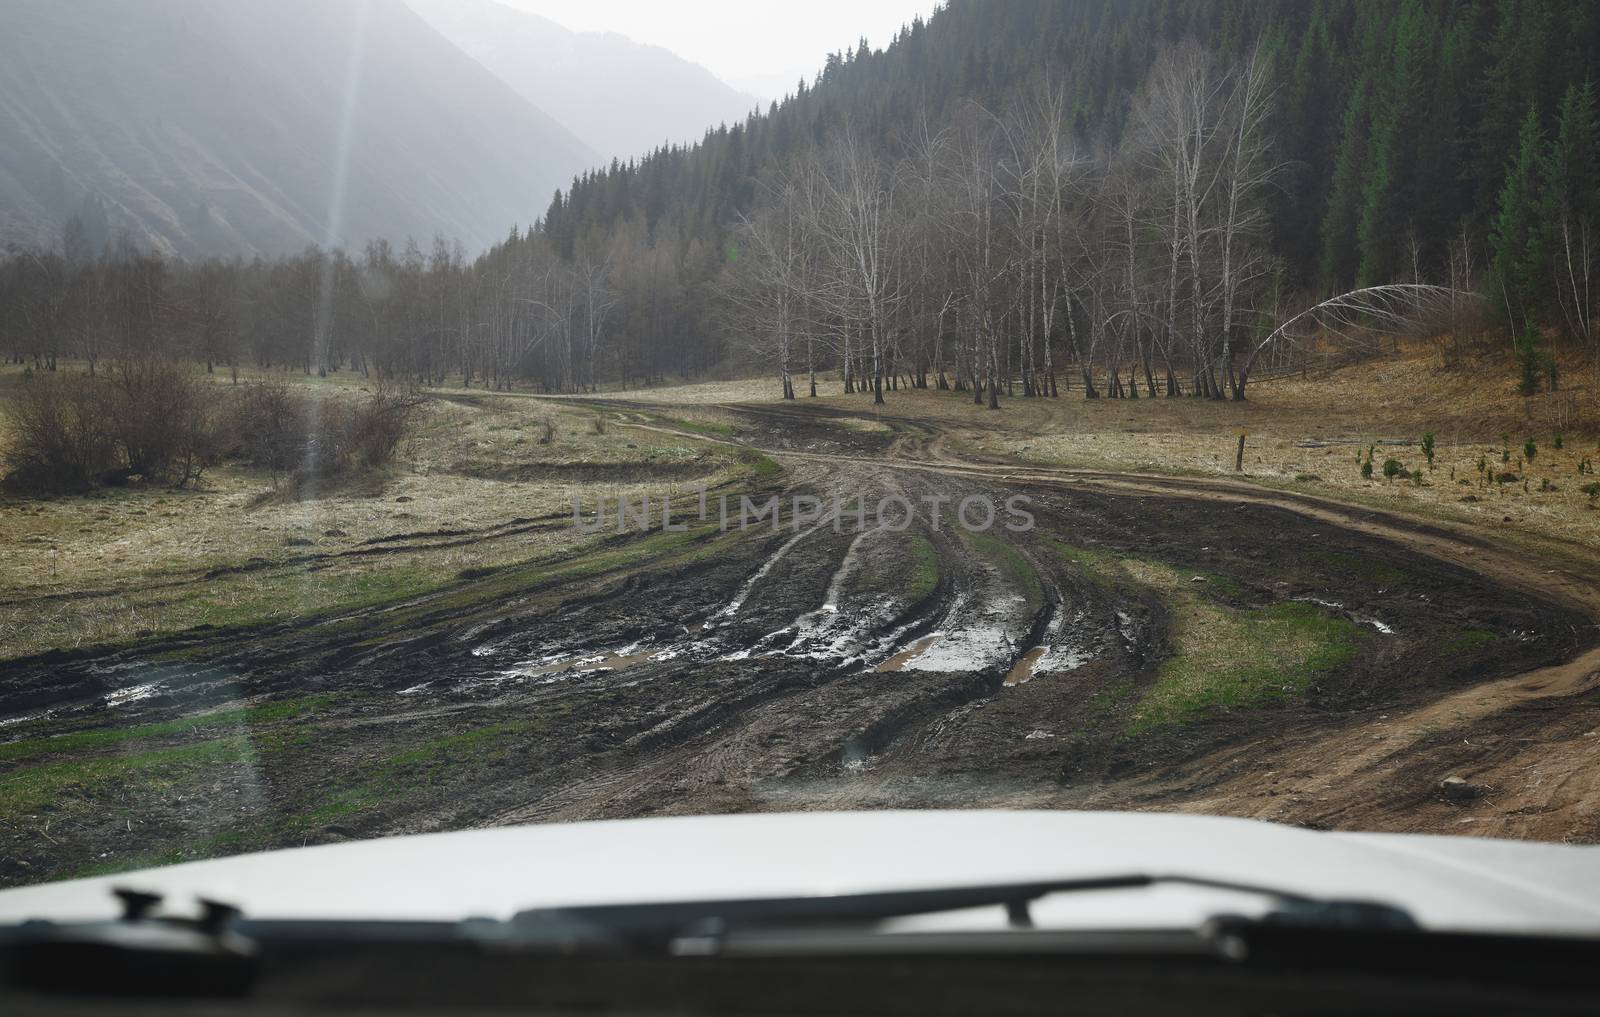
x=1011 y=197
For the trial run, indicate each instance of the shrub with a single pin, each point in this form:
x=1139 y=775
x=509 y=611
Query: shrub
x=1559 y=442
x=1392 y=469
x=599 y=423
x=162 y=416
x=547 y=430
x=266 y=424
x=375 y=426
x=59 y=438
x=273 y=426
x=1529 y=450
x=1592 y=490
x=1427 y=447
x=161 y=420
x=1366 y=470
x=146 y=417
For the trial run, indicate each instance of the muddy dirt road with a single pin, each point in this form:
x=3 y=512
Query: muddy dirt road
x=1146 y=642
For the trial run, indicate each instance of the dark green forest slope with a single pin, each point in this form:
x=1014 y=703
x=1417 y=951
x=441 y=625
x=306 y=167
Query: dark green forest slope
x=1399 y=119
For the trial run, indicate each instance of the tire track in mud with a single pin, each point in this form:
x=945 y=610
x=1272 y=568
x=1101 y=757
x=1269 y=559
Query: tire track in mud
x=720 y=743
x=723 y=750
x=1562 y=798
x=671 y=702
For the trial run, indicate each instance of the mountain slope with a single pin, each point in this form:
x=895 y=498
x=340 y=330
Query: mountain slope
x=622 y=98
x=1392 y=119
x=210 y=128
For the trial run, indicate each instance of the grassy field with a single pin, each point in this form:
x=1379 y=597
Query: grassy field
x=1301 y=434
x=474 y=488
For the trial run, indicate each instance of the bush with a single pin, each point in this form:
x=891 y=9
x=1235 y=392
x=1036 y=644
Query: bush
x=1427 y=447
x=59 y=440
x=547 y=431
x=1529 y=450
x=163 y=418
x=147 y=417
x=266 y=424
x=599 y=423
x=1392 y=469
x=376 y=426
x=275 y=427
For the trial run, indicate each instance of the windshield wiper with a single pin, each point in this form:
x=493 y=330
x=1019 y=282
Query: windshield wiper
x=705 y=926
x=220 y=951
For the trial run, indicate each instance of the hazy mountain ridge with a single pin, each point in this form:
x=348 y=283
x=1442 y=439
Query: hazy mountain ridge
x=623 y=98
x=206 y=128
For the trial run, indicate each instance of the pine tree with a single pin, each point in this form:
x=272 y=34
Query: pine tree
x=1516 y=237
x=1340 y=254
x=1571 y=171
x=1385 y=212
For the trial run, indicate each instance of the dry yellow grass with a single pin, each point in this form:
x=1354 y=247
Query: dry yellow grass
x=126 y=563
x=742 y=390
x=1301 y=432
x=477 y=462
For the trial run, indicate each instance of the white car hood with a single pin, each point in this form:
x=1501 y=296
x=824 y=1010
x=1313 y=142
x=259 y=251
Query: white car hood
x=1453 y=883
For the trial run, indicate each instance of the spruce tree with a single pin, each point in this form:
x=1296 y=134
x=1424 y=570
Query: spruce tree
x=1515 y=240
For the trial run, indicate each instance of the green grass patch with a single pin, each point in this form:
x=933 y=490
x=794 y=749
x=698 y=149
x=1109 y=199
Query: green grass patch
x=924 y=578
x=1216 y=585
x=1103 y=568
x=702 y=427
x=1223 y=655
x=760 y=468
x=153 y=772
x=102 y=738
x=1226 y=657
x=1460 y=640
x=906 y=569
x=385 y=783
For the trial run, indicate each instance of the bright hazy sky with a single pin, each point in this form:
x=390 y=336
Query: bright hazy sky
x=758 y=46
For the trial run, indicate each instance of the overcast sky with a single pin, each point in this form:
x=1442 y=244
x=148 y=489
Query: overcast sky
x=758 y=46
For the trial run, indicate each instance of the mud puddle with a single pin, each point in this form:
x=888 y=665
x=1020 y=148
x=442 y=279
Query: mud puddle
x=1023 y=669
x=899 y=660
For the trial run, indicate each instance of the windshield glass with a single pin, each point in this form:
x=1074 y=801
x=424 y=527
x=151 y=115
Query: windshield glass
x=436 y=416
